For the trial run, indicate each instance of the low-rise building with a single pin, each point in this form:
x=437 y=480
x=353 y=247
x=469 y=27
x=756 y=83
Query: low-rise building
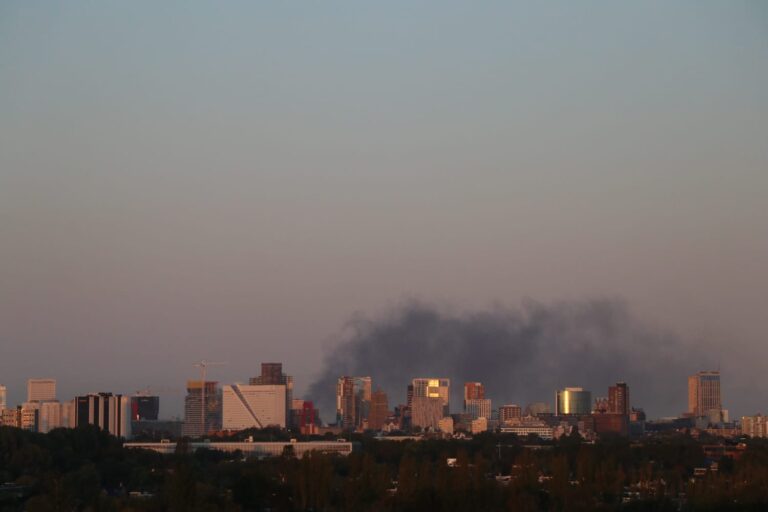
x=254 y=449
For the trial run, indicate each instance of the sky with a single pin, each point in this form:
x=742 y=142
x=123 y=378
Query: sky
x=236 y=181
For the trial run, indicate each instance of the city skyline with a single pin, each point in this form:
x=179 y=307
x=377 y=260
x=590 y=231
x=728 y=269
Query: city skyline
x=255 y=402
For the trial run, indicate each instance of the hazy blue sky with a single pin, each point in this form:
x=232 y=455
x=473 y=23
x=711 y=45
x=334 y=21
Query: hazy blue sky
x=232 y=181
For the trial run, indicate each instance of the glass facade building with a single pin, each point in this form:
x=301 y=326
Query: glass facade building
x=573 y=401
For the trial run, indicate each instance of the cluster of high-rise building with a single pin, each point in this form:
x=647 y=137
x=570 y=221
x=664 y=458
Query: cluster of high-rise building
x=267 y=401
x=43 y=412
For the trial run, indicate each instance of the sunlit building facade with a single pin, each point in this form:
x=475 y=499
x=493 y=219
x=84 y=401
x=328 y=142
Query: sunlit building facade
x=379 y=410
x=618 y=399
x=510 y=412
x=41 y=390
x=353 y=402
x=754 y=426
x=434 y=388
x=426 y=412
x=704 y=396
x=478 y=408
x=573 y=401
x=253 y=406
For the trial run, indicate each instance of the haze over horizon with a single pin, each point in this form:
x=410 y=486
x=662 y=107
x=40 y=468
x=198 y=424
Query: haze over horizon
x=239 y=182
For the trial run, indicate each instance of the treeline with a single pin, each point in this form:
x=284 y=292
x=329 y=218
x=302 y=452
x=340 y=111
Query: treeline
x=87 y=469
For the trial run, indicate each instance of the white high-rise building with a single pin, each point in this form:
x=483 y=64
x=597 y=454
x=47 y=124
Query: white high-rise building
x=3 y=397
x=253 y=406
x=41 y=390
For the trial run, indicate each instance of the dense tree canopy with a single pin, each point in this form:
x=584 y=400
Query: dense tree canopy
x=87 y=469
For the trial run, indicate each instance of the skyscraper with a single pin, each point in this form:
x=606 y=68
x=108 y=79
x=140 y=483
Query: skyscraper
x=253 y=406
x=573 y=401
x=3 y=397
x=144 y=407
x=198 y=423
x=379 y=410
x=473 y=391
x=353 y=401
x=478 y=408
x=41 y=390
x=618 y=399
x=704 y=395
x=105 y=410
x=271 y=373
x=427 y=411
x=433 y=388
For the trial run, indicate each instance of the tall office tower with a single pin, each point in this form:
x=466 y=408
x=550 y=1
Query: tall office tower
x=379 y=410
x=41 y=390
x=510 y=412
x=409 y=396
x=573 y=401
x=427 y=411
x=3 y=397
x=49 y=416
x=618 y=399
x=345 y=402
x=704 y=395
x=478 y=408
x=107 y=411
x=434 y=388
x=198 y=423
x=353 y=402
x=473 y=391
x=144 y=407
x=253 y=406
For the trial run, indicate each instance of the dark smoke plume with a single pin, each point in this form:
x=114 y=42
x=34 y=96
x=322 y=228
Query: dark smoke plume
x=521 y=355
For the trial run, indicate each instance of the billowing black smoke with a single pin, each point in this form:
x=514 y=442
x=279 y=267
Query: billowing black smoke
x=521 y=355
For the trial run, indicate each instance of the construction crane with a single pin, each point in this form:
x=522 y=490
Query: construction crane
x=203 y=365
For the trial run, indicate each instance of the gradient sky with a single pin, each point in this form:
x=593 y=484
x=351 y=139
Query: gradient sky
x=233 y=181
